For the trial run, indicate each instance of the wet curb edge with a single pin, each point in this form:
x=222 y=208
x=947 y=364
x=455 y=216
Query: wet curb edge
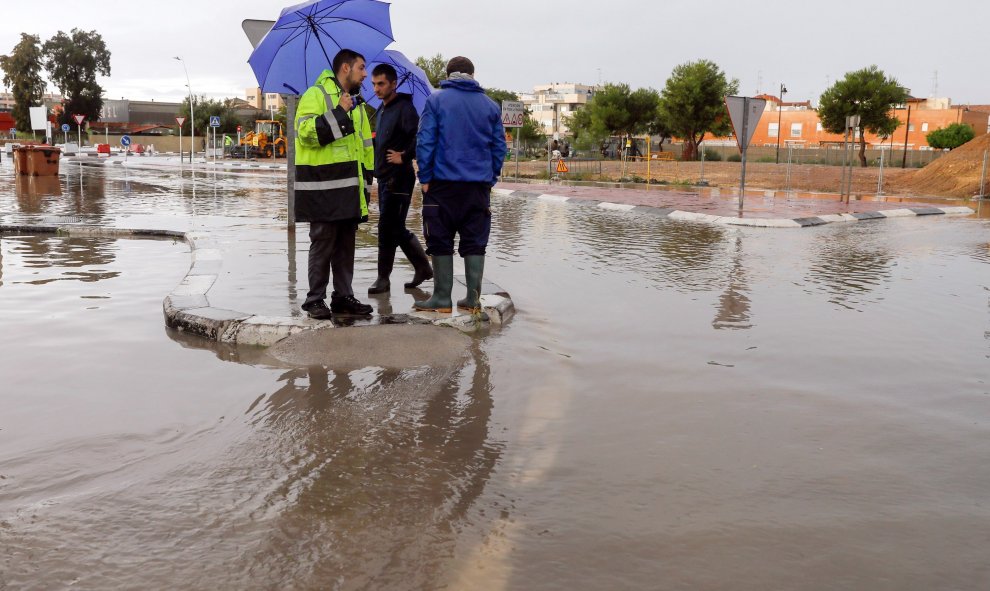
x=187 y=307
x=690 y=216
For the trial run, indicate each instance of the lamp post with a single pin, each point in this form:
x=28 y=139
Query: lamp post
x=780 y=110
x=192 y=114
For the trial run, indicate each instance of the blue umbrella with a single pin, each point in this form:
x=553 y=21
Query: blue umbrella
x=306 y=37
x=411 y=80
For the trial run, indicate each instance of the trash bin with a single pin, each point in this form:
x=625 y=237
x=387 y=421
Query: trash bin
x=103 y=149
x=20 y=160
x=37 y=160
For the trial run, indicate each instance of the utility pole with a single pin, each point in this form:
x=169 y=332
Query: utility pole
x=907 y=132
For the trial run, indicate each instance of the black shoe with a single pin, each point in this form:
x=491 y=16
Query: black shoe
x=350 y=306
x=317 y=310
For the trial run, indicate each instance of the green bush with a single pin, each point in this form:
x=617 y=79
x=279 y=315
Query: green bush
x=950 y=137
x=713 y=155
x=734 y=158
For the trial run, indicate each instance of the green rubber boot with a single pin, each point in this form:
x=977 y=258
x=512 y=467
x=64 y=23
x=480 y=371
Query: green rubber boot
x=443 y=282
x=474 y=271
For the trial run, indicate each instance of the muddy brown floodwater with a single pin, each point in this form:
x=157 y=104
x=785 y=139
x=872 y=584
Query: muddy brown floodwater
x=674 y=406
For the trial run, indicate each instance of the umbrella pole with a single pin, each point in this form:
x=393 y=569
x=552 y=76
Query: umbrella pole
x=290 y=156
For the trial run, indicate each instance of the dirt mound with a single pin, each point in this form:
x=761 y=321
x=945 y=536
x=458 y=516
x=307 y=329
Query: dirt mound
x=957 y=174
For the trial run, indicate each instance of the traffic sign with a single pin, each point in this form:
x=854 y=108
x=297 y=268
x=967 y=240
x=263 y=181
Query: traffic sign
x=79 y=119
x=744 y=112
x=180 y=120
x=125 y=140
x=65 y=127
x=214 y=120
x=561 y=166
x=238 y=129
x=513 y=114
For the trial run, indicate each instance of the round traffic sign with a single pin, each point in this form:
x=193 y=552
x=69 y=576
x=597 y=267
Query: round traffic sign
x=125 y=140
x=65 y=127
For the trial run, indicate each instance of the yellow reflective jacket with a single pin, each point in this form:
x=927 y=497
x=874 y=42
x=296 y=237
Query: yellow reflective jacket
x=335 y=157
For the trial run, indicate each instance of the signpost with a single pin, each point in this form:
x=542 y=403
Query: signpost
x=125 y=141
x=65 y=131
x=214 y=124
x=513 y=115
x=744 y=112
x=79 y=121
x=180 y=121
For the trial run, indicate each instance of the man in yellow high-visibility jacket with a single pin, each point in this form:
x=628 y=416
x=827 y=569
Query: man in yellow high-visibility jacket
x=334 y=162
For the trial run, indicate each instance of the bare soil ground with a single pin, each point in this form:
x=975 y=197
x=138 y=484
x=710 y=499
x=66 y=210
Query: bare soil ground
x=957 y=174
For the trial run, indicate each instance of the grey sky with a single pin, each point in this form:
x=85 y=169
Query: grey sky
x=518 y=43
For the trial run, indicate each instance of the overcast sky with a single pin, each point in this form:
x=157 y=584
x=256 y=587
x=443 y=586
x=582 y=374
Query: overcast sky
x=516 y=44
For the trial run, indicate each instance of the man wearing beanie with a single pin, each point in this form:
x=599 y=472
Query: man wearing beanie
x=460 y=149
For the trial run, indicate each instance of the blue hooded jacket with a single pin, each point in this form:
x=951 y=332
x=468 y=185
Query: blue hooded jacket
x=461 y=137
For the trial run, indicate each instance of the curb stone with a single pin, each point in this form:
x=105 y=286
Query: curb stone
x=691 y=216
x=187 y=306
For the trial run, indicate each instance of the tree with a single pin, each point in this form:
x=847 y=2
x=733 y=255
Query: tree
x=614 y=110
x=498 y=95
x=73 y=61
x=950 y=137
x=692 y=103
x=206 y=108
x=435 y=68
x=868 y=93
x=22 y=74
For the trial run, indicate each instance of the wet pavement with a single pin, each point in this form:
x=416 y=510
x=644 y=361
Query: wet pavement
x=676 y=405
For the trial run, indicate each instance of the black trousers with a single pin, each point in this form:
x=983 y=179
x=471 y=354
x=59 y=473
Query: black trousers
x=331 y=248
x=394 y=196
x=457 y=208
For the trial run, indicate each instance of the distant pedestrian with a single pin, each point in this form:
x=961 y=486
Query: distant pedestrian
x=460 y=150
x=334 y=164
x=395 y=148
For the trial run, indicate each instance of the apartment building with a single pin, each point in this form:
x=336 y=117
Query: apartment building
x=551 y=105
x=798 y=125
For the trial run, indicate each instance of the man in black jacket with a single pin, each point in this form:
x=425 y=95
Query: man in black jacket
x=395 y=149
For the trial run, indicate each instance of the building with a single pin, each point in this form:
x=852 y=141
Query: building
x=551 y=105
x=49 y=99
x=264 y=101
x=799 y=125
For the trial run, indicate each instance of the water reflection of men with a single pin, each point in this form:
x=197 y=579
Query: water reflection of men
x=334 y=164
x=369 y=474
x=460 y=150
x=395 y=149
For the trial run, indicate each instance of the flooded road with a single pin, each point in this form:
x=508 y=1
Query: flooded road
x=674 y=406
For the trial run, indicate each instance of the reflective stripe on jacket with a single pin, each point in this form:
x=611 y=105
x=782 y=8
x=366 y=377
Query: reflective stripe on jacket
x=335 y=156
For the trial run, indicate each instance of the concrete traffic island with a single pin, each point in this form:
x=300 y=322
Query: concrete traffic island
x=689 y=207
x=187 y=307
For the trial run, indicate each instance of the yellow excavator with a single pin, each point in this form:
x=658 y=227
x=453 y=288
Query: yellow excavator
x=267 y=138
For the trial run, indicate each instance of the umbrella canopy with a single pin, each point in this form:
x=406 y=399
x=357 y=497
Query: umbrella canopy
x=411 y=79
x=306 y=37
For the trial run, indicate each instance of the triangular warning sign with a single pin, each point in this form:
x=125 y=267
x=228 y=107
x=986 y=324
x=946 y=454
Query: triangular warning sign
x=561 y=166
x=744 y=123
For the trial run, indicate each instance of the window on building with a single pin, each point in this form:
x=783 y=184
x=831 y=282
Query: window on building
x=924 y=127
x=773 y=130
x=818 y=127
x=911 y=127
x=796 y=129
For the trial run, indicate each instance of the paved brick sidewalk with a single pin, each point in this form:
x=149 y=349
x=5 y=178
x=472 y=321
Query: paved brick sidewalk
x=713 y=201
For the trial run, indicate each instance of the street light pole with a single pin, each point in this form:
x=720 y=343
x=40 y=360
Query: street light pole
x=192 y=114
x=780 y=109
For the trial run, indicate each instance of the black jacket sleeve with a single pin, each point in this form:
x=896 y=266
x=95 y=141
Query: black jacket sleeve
x=410 y=127
x=333 y=125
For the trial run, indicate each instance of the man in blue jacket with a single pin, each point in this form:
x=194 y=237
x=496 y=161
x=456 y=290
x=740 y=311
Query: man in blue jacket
x=460 y=149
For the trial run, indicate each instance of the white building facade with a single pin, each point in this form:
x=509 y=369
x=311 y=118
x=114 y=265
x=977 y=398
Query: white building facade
x=552 y=105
